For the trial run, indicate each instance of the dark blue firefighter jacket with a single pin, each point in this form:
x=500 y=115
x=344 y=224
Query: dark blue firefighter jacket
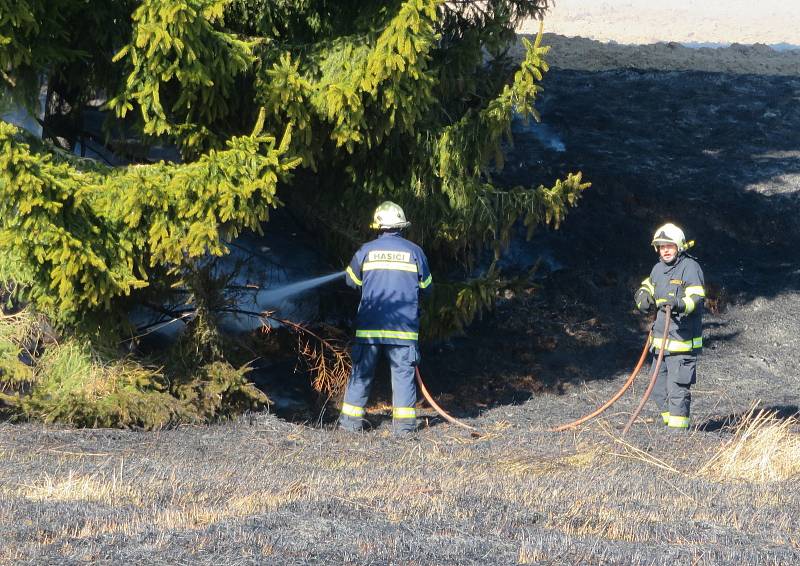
x=391 y=273
x=683 y=278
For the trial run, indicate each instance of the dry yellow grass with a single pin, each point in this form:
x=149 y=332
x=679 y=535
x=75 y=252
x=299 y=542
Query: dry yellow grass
x=96 y=488
x=529 y=465
x=763 y=449
x=539 y=501
x=529 y=555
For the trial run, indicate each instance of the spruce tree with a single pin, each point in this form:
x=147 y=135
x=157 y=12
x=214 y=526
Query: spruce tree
x=326 y=107
x=410 y=101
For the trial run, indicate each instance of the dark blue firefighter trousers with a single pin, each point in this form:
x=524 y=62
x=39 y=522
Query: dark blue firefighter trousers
x=402 y=361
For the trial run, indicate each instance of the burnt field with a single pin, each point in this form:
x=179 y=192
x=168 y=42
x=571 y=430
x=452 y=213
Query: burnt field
x=268 y=491
x=717 y=152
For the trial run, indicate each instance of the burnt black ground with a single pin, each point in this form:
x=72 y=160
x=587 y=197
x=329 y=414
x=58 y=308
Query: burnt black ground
x=717 y=153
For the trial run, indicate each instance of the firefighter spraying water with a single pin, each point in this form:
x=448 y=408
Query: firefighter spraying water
x=392 y=274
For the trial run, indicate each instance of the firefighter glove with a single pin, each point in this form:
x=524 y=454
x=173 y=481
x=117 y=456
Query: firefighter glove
x=643 y=299
x=672 y=301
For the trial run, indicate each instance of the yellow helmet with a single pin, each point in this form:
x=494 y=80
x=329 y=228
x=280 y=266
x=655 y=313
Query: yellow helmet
x=671 y=234
x=389 y=216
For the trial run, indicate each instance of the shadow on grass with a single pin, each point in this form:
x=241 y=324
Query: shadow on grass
x=733 y=420
x=717 y=153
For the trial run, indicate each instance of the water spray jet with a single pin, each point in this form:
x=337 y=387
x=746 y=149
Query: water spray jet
x=275 y=296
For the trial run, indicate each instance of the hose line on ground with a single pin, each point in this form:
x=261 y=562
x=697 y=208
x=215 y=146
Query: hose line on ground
x=436 y=406
x=646 y=396
x=616 y=396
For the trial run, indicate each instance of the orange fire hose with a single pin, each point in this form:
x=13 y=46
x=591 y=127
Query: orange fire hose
x=616 y=396
x=436 y=406
x=668 y=317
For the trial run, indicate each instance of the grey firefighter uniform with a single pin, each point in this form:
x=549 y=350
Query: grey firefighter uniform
x=681 y=283
x=392 y=273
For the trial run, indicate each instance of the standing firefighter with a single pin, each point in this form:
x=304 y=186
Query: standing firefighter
x=675 y=281
x=391 y=273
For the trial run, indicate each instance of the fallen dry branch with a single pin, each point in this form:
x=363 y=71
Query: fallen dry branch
x=327 y=358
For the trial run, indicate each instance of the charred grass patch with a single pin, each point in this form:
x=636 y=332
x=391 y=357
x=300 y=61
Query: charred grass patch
x=263 y=490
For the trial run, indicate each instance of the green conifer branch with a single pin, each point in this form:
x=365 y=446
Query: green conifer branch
x=465 y=149
x=385 y=87
x=89 y=237
x=177 y=52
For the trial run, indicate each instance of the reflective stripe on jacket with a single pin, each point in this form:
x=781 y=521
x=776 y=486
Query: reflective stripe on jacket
x=391 y=273
x=683 y=278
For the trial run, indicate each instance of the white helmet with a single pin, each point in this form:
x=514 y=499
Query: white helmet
x=670 y=234
x=389 y=216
